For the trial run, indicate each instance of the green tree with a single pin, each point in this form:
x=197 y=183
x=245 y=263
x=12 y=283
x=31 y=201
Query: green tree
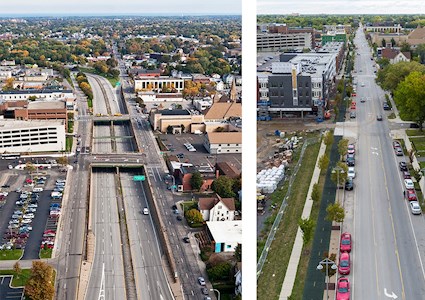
x=40 y=284
x=342 y=175
x=219 y=272
x=328 y=139
x=196 y=181
x=307 y=227
x=393 y=74
x=335 y=212
x=223 y=187
x=17 y=269
x=324 y=162
x=194 y=216
x=410 y=98
x=342 y=147
x=315 y=193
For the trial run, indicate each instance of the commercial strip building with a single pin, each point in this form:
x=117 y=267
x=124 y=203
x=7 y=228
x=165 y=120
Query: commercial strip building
x=226 y=235
x=223 y=142
x=178 y=120
x=31 y=136
x=39 y=94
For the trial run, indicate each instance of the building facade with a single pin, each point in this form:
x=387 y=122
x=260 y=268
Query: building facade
x=281 y=41
x=223 y=142
x=31 y=136
x=157 y=84
x=226 y=235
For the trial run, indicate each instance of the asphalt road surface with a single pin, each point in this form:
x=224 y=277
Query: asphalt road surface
x=388 y=241
x=7 y=292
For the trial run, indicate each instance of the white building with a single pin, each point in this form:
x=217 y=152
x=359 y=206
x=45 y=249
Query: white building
x=282 y=41
x=217 y=208
x=223 y=142
x=32 y=136
x=39 y=94
x=226 y=235
x=156 y=84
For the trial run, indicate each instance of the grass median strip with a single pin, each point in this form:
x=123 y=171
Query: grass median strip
x=271 y=279
x=10 y=254
x=18 y=280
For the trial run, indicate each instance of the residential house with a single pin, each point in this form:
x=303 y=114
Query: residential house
x=223 y=142
x=217 y=208
x=226 y=235
x=395 y=55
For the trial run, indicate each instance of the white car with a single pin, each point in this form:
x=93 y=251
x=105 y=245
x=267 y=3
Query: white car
x=415 y=208
x=26 y=221
x=351 y=172
x=145 y=211
x=351 y=149
x=28 y=216
x=192 y=149
x=408 y=183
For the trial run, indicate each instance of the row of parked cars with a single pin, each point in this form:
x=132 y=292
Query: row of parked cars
x=190 y=147
x=344 y=267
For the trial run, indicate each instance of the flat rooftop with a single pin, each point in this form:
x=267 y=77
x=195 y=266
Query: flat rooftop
x=174 y=112
x=18 y=124
x=47 y=105
x=226 y=231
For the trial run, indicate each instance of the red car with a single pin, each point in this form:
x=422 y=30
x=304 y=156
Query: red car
x=343 y=289
x=344 y=264
x=345 y=244
x=406 y=175
x=411 y=195
x=396 y=144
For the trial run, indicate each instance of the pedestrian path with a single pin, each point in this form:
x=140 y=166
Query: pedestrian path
x=291 y=271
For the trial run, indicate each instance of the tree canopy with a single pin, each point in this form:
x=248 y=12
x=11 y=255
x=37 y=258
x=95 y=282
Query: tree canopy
x=40 y=284
x=393 y=74
x=223 y=186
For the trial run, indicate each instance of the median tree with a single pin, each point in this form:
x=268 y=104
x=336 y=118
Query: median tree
x=40 y=284
x=342 y=147
x=196 y=181
x=223 y=186
x=328 y=138
x=315 y=193
x=410 y=98
x=335 y=212
x=323 y=162
x=307 y=227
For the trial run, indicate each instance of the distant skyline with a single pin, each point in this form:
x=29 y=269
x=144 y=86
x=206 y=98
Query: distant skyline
x=340 y=7
x=118 y=7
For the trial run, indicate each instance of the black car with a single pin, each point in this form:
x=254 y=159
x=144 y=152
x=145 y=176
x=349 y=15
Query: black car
x=179 y=218
x=174 y=207
x=351 y=161
x=379 y=117
x=349 y=184
x=403 y=166
x=186 y=240
x=386 y=106
x=398 y=151
x=204 y=291
x=414 y=125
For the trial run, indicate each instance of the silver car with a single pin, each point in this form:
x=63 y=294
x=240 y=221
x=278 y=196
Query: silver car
x=415 y=208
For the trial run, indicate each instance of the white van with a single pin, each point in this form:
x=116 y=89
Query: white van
x=37 y=190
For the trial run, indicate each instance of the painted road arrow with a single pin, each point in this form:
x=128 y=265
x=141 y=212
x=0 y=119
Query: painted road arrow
x=392 y=295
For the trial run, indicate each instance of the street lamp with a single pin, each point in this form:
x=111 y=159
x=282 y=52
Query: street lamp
x=218 y=292
x=326 y=262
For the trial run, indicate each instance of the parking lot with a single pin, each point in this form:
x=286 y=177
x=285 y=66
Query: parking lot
x=29 y=214
x=175 y=143
x=7 y=292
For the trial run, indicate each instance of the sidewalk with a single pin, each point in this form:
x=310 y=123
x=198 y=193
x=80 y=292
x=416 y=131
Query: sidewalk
x=291 y=272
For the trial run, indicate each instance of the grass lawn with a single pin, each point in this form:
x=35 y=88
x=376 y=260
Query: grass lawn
x=69 y=141
x=273 y=273
x=46 y=253
x=298 y=289
x=17 y=281
x=419 y=143
x=189 y=205
x=112 y=80
x=415 y=132
x=10 y=254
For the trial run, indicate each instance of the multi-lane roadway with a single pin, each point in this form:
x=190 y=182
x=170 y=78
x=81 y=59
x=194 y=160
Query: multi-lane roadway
x=388 y=241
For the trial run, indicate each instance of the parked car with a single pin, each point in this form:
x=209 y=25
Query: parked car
x=352 y=115
x=398 y=151
x=415 y=208
x=343 y=289
x=386 y=106
x=186 y=240
x=408 y=183
x=179 y=218
x=204 y=291
x=344 y=264
x=403 y=166
x=351 y=161
x=349 y=185
x=410 y=195
x=351 y=172
x=345 y=243
x=406 y=175
x=351 y=149
x=396 y=144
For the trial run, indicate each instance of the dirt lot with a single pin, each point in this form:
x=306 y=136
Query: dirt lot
x=266 y=138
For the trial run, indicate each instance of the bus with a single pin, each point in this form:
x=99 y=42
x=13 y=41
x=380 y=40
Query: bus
x=10 y=156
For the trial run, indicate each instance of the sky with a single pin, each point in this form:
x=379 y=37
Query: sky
x=117 y=7
x=286 y=7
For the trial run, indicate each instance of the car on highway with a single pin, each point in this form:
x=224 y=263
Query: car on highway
x=186 y=240
x=146 y=211
x=408 y=183
x=179 y=218
x=343 y=289
x=351 y=149
x=379 y=117
x=398 y=151
x=410 y=195
x=403 y=166
x=351 y=172
x=201 y=280
x=344 y=263
x=415 y=208
x=362 y=99
x=204 y=290
x=349 y=185
x=345 y=243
